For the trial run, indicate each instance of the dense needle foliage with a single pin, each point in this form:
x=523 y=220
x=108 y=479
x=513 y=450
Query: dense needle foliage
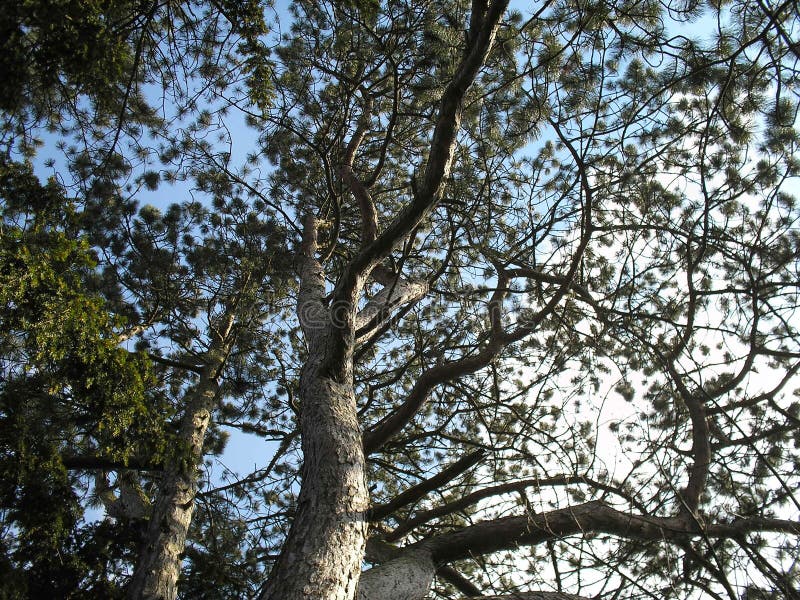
x=574 y=261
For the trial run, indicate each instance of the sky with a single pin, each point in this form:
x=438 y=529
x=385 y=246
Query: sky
x=246 y=453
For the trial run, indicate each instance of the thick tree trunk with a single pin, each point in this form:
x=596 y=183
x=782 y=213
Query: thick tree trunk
x=408 y=577
x=322 y=557
x=156 y=574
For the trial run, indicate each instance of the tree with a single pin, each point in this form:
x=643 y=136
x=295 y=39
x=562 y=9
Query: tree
x=539 y=339
x=67 y=390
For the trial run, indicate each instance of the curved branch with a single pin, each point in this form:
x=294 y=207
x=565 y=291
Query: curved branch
x=505 y=488
x=366 y=206
x=439 y=161
x=380 y=433
x=416 y=492
x=591 y=517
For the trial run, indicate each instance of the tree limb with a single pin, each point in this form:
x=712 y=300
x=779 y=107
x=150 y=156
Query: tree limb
x=418 y=491
x=504 y=488
x=591 y=517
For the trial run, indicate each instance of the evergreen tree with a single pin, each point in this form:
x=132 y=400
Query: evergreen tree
x=509 y=293
x=69 y=394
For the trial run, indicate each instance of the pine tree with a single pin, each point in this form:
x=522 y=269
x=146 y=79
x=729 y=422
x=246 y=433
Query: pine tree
x=509 y=293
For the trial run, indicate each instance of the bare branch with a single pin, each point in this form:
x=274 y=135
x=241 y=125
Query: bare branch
x=439 y=158
x=505 y=488
x=591 y=517
x=418 y=491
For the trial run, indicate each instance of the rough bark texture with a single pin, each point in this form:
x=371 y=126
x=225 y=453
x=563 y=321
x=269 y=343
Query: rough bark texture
x=322 y=556
x=156 y=574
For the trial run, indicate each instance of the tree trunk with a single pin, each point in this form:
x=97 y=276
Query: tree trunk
x=408 y=577
x=322 y=556
x=156 y=574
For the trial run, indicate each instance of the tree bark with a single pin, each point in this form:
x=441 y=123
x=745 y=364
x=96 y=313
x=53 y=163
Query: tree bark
x=321 y=558
x=156 y=574
x=406 y=573
x=591 y=517
x=408 y=577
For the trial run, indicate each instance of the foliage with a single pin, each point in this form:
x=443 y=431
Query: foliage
x=58 y=49
x=593 y=336
x=68 y=389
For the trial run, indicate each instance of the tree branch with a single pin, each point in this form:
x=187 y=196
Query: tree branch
x=380 y=433
x=532 y=596
x=379 y=309
x=457 y=580
x=99 y=463
x=418 y=491
x=310 y=311
x=366 y=206
x=168 y=362
x=440 y=157
x=591 y=517
x=505 y=488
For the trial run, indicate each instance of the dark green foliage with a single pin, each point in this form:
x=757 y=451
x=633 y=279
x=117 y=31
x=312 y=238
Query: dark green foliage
x=68 y=388
x=82 y=566
x=54 y=49
x=218 y=565
x=55 y=334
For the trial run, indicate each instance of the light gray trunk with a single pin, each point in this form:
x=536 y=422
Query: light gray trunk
x=156 y=574
x=408 y=577
x=322 y=556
